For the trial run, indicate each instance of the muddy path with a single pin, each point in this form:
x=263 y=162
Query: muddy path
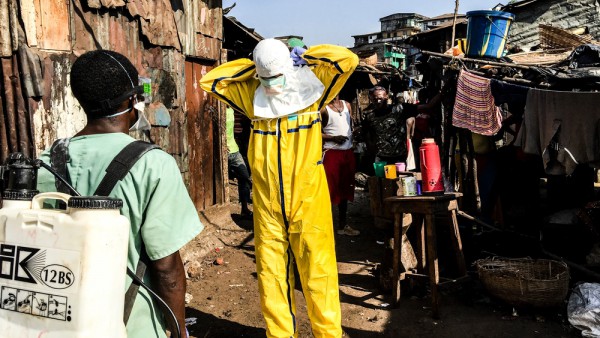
x=225 y=299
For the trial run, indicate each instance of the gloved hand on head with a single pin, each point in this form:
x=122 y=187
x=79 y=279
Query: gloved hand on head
x=296 y=56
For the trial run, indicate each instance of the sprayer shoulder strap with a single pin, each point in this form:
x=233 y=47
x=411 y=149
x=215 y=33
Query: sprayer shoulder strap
x=116 y=171
x=121 y=164
x=59 y=157
x=133 y=289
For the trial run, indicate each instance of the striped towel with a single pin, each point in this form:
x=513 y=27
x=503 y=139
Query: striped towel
x=474 y=108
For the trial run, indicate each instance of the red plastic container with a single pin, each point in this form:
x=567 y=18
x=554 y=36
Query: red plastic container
x=431 y=168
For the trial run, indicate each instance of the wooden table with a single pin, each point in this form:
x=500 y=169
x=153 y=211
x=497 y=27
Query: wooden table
x=425 y=207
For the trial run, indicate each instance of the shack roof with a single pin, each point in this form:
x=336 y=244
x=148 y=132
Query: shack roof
x=249 y=31
x=518 y=4
x=402 y=16
x=444 y=16
x=369 y=34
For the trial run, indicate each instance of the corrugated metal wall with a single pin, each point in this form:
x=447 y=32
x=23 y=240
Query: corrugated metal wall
x=564 y=14
x=158 y=36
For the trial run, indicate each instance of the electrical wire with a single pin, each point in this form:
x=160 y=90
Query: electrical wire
x=131 y=274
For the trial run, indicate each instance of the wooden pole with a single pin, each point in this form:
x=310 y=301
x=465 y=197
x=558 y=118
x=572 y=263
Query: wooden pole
x=483 y=62
x=457 y=2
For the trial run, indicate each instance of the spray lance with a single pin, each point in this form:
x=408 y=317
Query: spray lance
x=18 y=182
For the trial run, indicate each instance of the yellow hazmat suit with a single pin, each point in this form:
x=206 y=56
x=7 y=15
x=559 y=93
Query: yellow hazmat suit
x=292 y=210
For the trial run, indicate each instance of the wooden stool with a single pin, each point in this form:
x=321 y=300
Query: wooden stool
x=426 y=207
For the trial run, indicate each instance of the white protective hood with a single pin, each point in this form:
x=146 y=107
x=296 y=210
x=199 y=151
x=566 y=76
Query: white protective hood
x=302 y=88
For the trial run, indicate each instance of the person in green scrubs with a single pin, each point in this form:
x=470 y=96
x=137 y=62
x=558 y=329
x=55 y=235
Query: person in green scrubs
x=155 y=200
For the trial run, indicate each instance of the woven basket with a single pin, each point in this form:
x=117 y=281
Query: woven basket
x=525 y=282
x=547 y=57
x=554 y=37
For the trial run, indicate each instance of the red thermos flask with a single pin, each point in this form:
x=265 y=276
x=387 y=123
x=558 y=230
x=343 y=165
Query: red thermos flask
x=431 y=168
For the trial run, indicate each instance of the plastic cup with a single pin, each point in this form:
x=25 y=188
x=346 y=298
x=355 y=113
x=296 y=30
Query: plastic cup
x=379 y=168
x=390 y=171
x=400 y=167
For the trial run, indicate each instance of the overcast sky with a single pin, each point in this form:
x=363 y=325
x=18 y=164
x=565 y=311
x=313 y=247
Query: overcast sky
x=335 y=21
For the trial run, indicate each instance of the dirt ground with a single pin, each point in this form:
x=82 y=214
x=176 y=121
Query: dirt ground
x=225 y=299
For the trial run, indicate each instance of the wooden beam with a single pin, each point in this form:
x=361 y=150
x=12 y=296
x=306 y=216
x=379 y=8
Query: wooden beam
x=484 y=62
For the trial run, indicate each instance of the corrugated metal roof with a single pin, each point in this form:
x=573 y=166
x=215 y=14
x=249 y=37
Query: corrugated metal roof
x=565 y=14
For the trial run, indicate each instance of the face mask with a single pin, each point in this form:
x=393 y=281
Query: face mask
x=273 y=86
x=119 y=113
x=142 y=122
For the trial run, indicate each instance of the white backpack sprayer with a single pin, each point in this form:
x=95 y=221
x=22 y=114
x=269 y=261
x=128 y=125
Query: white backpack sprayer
x=62 y=272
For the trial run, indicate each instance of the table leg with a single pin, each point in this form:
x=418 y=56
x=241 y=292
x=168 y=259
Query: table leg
x=457 y=245
x=397 y=261
x=421 y=247
x=432 y=263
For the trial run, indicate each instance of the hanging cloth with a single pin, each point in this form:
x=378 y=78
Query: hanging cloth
x=474 y=108
x=563 y=127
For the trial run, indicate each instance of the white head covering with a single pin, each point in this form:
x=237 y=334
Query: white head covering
x=302 y=87
x=271 y=57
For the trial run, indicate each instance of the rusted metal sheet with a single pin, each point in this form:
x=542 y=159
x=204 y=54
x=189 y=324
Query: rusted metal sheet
x=9 y=104
x=28 y=15
x=16 y=134
x=195 y=134
x=105 y=3
x=207 y=47
x=5 y=131
x=200 y=27
x=23 y=119
x=53 y=20
x=159 y=25
x=200 y=129
x=210 y=19
x=31 y=70
x=221 y=150
x=90 y=29
x=9 y=38
x=58 y=114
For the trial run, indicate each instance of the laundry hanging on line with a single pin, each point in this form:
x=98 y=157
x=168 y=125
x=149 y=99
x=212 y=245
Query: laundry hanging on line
x=474 y=107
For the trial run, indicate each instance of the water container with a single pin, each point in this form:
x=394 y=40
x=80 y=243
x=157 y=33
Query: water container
x=431 y=168
x=379 y=168
x=62 y=272
x=487 y=32
x=390 y=171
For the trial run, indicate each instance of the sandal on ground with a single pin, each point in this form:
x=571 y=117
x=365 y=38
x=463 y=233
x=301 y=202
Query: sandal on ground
x=348 y=231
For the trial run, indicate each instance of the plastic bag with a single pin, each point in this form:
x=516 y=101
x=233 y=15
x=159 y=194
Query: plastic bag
x=583 y=309
x=410 y=159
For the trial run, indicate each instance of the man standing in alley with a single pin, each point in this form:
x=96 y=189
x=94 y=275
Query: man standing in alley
x=237 y=166
x=338 y=159
x=292 y=211
x=161 y=214
x=384 y=128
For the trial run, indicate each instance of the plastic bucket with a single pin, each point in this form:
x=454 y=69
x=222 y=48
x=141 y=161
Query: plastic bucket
x=487 y=32
x=390 y=171
x=379 y=168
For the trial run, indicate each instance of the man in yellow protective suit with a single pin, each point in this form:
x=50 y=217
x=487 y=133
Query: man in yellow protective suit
x=292 y=209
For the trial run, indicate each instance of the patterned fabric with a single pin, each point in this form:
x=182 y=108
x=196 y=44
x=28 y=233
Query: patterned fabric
x=474 y=108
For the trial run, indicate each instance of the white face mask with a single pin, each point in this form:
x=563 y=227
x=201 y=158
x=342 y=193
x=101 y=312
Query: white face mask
x=119 y=113
x=142 y=122
x=273 y=86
